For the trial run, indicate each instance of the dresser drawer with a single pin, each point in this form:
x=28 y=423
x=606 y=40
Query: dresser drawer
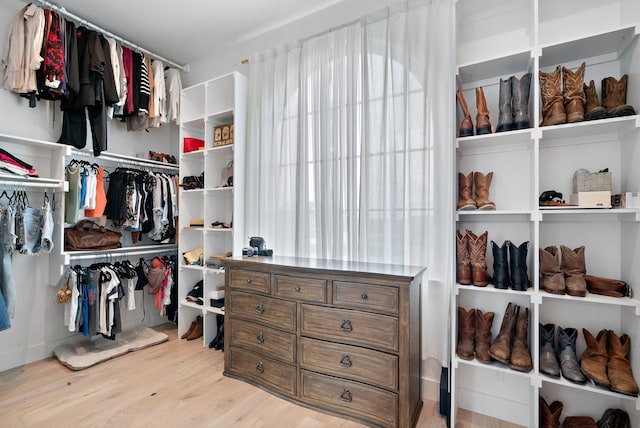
x=249 y=280
x=307 y=289
x=353 y=327
x=265 y=340
x=358 y=295
x=370 y=403
x=262 y=370
x=361 y=364
x=276 y=312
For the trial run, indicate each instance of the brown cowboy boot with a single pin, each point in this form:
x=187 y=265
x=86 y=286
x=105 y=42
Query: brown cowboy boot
x=482 y=183
x=573 y=266
x=483 y=336
x=592 y=108
x=465 y=186
x=553 y=112
x=618 y=367
x=573 y=93
x=466 y=333
x=477 y=253
x=500 y=350
x=614 y=97
x=520 y=354
x=550 y=414
x=483 y=126
x=579 y=422
x=594 y=359
x=551 y=277
x=462 y=258
x=466 y=126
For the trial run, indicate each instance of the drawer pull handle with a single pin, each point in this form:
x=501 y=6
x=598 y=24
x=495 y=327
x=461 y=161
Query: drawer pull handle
x=260 y=367
x=297 y=288
x=260 y=337
x=346 y=395
x=249 y=281
x=260 y=308
x=345 y=361
x=346 y=326
x=364 y=296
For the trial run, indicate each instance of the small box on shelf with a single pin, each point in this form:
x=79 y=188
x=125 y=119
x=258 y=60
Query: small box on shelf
x=626 y=200
x=223 y=135
x=591 y=182
x=600 y=199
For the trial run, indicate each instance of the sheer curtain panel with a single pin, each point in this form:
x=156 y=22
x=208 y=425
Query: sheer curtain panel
x=349 y=151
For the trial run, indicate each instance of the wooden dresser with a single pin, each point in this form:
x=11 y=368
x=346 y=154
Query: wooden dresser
x=340 y=337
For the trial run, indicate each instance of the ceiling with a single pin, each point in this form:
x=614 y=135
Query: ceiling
x=191 y=29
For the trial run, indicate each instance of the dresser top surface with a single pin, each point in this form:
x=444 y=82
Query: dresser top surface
x=336 y=266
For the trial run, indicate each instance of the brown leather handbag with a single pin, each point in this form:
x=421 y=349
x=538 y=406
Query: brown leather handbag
x=88 y=235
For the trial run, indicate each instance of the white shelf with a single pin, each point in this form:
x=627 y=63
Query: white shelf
x=118 y=252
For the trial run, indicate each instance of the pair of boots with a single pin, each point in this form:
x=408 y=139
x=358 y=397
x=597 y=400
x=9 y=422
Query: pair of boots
x=483 y=125
x=466 y=184
x=513 y=103
x=572 y=100
x=512 y=272
x=471 y=260
x=474 y=335
x=565 y=353
x=566 y=275
x=218 y=342
x=512 y=343
x=195 y=331
x=550 y=417
x=606 y=361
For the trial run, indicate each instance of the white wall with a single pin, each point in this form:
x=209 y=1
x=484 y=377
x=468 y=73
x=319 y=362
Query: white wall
x=38 y=327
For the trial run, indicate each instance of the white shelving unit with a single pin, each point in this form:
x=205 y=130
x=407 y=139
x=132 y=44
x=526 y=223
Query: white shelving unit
x=204 y=106
x=498 y=39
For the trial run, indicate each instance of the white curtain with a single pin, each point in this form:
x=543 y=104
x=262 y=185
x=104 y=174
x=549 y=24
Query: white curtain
x=350 y=145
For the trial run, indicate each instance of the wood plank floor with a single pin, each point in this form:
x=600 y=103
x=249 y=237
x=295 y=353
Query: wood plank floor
x=174 y=384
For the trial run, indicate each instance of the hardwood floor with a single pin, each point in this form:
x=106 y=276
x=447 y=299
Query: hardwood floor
x=174 y=384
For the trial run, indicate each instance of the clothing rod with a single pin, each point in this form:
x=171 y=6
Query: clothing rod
x=122 y=252
x=82 y=21
x=114 y=157
x=29 y=185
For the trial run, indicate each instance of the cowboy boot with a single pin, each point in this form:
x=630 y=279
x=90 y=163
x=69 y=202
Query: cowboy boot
x=465 y=185
x=614 y=418
x=466 y=333
x=573 y=266
x=553 y=112
x=197 y=330
x=592 y=108
x=500 y=265
x=188 y=332
x=573 y=93
x=579 y=422
x=500 y=350
x=462 y=258
x=520 y=354
x=618 y=367
x=551 y=277
x=518 y=266
x=505 y=115
x=477 y=253
x=483 y=336
x=520 y=89
x=483 y=126
x=594 y=359
x=482 y=183
x=567 y=355
x=614 y=97
x=466 y=126
x=550 y=414
x=547 y=352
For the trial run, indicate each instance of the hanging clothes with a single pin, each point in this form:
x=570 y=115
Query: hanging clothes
x=174 y=86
